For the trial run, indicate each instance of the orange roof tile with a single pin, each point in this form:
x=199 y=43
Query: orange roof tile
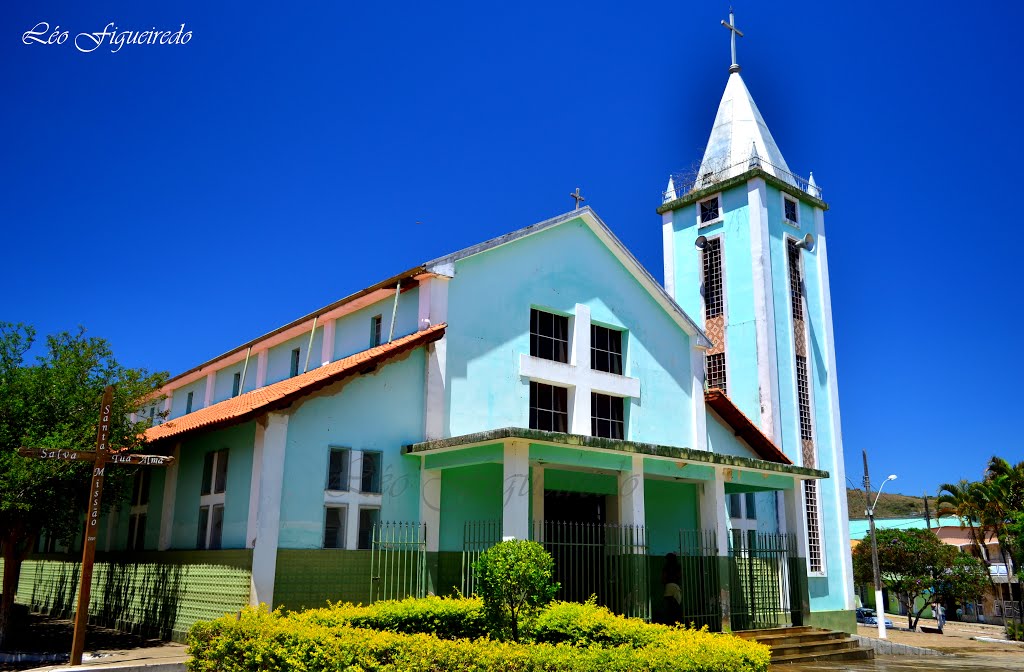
x=744 y=427
x=283 y=393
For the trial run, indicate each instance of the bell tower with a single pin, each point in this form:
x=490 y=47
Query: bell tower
x=746 y=252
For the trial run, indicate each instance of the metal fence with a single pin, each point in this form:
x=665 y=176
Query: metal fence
x=603 y=560
x=763 y=589
x=700 y=579
x=477 y=537
x=398 y=561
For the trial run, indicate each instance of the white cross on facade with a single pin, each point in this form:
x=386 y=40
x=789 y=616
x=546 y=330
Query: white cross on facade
x=734 y=31
x=577 y=374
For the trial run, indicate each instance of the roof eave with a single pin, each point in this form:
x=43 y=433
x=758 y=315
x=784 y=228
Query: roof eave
x=742 y=178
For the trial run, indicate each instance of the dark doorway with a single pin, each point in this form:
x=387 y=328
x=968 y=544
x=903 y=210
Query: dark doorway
x=574 y=507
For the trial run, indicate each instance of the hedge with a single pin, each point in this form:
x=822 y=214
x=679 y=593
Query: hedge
x=326 y=639
x=444 y=617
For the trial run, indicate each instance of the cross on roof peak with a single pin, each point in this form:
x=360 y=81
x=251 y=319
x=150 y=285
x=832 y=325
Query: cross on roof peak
x=734 y=31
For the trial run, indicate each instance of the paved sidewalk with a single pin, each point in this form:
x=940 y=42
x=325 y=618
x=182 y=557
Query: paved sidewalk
x=957 y=638
x=170 y=657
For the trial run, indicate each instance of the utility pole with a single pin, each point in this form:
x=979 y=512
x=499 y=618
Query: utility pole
x=870 y=511
x=927 y=514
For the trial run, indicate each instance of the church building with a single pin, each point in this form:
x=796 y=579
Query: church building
x=373 y=448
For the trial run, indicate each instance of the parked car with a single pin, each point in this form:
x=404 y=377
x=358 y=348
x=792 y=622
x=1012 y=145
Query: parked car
x=868 y=617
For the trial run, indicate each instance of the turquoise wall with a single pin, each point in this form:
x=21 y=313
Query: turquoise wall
x=180 y=399
x=352 y=332
x=279 y=358
x=238 y=440
x=489 y=319
x=379 y=411
x=669 y=506
x=468 y=494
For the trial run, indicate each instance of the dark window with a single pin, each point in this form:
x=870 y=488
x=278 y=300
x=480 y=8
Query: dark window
x=188 y=403
x=152 y=412
x=733 y=505
x=549 y=407
x=136 y=532
x=216 y=526
x=813 y=526
x=337 y=470
x=371 y=470
x=236 y=384
x=791 y=212
x=375 y=330
x=803 y=398
x=715 y=372
x=795 y=280
x=714 y=299
x=605 y=349
x=549 y=336
x=709 y=210
x=368 y=518
x=606 y=416
x=751 y=508
x=334 y=527
x=215 y=472
x=140 y=488
x=295 y=362
x=204 y=522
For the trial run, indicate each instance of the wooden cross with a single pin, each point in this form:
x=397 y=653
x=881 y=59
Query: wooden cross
x=579 y=199
x=731 y=25
x=100 y=458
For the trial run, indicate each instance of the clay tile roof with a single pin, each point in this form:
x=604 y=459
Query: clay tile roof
x=744 y=427
x=281 y=394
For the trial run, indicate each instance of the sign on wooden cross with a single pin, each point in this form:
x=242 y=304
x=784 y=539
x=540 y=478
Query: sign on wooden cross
x=100 y=458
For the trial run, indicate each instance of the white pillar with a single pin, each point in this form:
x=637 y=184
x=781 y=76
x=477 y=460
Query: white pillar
x=167 y=508
x=714 y=512
x=668 y=253
x=515 y=509
x=700 y=414
x=254 y=486
x=580 y=357
x=793 y=505
x=167 y=403
x=764 y=311
x=631 y=494
x=268 y=515
x=430 y=506
x=537 y=492
x=261 y=368
x=433 y=309
x=211 y=381
x=327 y=348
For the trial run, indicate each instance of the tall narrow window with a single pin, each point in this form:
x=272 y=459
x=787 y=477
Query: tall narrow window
x=714 y=299
x=211 y=500
x=188 y=403
x=814 y=554
x=337 y=469
x=795 y=280
x=715 y=372
x=549 y=407
x=606 y=416
x=295 y=362
x=370 y=472
x=236 y=384
x=803 y=399
x=605 y=349
x=790 y=211
x=375 y=330
x=334 y=526
x=549 y=336
x=138 y=511
x=709 y=210
x=368 y=518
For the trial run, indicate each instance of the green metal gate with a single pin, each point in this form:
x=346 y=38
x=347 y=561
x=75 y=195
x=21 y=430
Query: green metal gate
x=477 y=537
x=762 y=587
x=701 y=579
x=398 y=561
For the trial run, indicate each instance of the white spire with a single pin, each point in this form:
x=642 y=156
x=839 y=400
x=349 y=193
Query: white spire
x=670 y=190
x=812 y=186
x=739 y=135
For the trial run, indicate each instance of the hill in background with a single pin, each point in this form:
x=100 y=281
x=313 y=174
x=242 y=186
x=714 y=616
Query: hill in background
x=889 y=505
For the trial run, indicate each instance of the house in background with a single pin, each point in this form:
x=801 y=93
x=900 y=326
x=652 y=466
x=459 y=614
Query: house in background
x=541 y=385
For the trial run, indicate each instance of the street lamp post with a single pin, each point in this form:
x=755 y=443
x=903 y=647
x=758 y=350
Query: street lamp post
x=879 y=611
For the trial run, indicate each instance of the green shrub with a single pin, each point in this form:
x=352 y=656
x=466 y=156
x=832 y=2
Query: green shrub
x=445 y=617
x=258 y=641
x=514 y=578
x=588 y=624
x=1015 y=631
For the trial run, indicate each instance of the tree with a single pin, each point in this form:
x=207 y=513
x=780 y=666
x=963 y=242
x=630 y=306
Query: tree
x=909 y=562
x=54 y=403
x=966 y=580
x=515 y=578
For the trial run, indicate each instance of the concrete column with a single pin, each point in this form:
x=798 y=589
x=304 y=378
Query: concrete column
x=211 y=381
x=327 y=348
x=700 y=414
x=167 y=510
x=764 y=311
x=433 y=309
x=713 y=516
x=793 y=507
x=261 y=368
x=515 y=509
x=580 y=357
x=254 y=486
x=167 y=403
x=430 y=506
x=268 y=515
x=631 y=494
x=537 y=491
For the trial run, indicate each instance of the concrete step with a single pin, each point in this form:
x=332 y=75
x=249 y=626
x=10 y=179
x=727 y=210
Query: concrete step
x=755 y=634
x=852 y=654
x=828 y=646
x=787 y=638
x=805 y=644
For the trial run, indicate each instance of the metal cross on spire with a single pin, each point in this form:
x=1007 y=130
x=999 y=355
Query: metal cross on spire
x=731 y=25
x=578 y=197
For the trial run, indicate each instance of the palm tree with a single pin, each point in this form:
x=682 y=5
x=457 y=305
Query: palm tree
x=968 y=501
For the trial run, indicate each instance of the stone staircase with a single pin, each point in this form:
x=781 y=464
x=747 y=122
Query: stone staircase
x=804 y=644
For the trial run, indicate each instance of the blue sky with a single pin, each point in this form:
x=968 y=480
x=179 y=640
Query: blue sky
x=179 y=200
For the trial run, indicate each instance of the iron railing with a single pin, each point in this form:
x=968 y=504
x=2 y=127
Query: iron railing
x=477 y=537
x=700 y=579
x=685 y=182
x=398 y=560
x=763 y=589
